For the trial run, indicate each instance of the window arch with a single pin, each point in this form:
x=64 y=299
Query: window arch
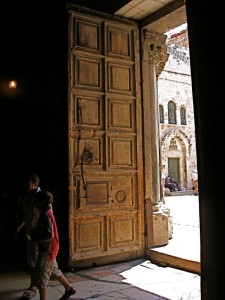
x=161 y=114
x=183 y=119
x=172 y=113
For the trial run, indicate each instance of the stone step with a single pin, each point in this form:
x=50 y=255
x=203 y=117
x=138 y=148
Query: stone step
x=182 y=193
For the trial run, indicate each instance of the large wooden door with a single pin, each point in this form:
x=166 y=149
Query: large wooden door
x=106 y=213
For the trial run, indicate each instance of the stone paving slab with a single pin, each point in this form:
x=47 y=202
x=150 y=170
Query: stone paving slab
x=134 y=280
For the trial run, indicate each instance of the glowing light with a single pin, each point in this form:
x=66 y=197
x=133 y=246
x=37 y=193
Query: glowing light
x=12 y=84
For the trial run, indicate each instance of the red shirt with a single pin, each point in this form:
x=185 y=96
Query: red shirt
x=46 y=227
x=54 y=243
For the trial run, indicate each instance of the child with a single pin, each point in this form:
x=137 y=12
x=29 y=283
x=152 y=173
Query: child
x=46 y=235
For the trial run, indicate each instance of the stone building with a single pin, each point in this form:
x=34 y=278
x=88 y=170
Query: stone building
x=177 y=127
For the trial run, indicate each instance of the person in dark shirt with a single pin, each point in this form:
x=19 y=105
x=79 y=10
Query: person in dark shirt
x=177 y=185
x=169 y=185
x=26 y=217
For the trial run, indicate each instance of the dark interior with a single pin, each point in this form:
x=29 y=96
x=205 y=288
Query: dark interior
x=33 y=120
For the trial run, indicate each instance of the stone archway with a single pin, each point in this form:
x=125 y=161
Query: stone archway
x=175 y=144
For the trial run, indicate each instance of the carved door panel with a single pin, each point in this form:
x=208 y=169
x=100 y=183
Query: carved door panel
x=106 y=214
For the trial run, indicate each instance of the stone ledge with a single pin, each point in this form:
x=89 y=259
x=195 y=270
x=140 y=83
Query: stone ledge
x=182 y=193
x=167 y=260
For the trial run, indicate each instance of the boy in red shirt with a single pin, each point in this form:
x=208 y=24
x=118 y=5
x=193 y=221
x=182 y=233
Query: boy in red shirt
x=46 y=235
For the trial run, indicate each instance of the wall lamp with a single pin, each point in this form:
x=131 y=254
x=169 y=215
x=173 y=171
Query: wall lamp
x=12 y=84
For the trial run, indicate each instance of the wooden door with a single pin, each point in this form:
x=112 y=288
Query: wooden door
x=174 y=168
x=106 y=213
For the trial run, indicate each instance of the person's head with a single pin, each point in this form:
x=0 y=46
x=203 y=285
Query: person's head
x=32 y=182
x=172 y=179
x=43 y=201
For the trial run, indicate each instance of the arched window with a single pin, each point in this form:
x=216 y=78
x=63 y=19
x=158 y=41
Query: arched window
x=172 y=113
x=183 y=119
x=161 y=114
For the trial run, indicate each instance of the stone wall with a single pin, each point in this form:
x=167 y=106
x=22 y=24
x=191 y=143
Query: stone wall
x=178 y=141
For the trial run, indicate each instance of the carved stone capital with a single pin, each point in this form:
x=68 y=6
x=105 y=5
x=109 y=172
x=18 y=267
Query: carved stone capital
x=157 y=49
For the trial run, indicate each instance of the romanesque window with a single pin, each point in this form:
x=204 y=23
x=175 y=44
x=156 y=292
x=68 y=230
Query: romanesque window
x=161 y=114
x=183 y=119
x=172 y=113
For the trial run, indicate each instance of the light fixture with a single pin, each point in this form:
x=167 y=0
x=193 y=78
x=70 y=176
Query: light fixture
x=12 y=84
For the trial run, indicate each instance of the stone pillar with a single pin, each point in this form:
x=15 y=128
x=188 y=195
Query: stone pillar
x=154 y=57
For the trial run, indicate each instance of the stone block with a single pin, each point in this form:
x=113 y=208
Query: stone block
x=167 y=192
x=160 y=229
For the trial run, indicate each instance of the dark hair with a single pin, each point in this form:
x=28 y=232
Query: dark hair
x=33 y=178
x=44 y=199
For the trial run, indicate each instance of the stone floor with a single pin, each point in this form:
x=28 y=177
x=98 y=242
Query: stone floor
x=186 y=234
x=133 y=280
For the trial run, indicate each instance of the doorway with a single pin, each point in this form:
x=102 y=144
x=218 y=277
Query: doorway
x=174 y=168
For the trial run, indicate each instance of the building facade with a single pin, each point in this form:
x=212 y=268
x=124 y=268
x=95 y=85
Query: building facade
x=177 y=126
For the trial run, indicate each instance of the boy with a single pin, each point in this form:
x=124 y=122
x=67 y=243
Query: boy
x=45 y=234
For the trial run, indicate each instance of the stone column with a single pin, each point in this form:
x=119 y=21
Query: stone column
x=154 y=57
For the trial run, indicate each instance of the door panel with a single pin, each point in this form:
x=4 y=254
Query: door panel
x=106 y=211
x=174 y=167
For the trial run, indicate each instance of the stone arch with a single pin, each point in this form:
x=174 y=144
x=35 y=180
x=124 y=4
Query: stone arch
x=175 y=144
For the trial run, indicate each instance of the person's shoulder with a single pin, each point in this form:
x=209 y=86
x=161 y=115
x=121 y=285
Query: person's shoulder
x=50 y=214
x=46 y=217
